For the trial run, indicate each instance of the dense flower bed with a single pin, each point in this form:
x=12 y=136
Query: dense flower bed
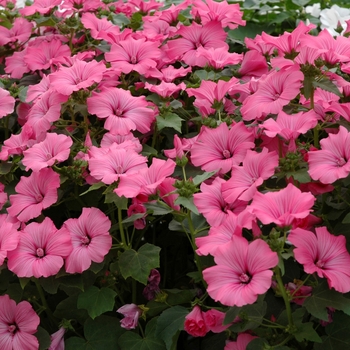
x=165 y=184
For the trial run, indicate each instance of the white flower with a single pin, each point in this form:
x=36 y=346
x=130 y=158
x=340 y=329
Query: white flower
x=330 y=18
x=314 y=10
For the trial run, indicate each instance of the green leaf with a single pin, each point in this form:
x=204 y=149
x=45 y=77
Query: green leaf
x=306 y=331
x=138 y=265
x=45 y=22
x=257 y=343
x=202 y=74
x=119 y=19
x=325 y=84
x=202 y=177
x=5 y=167
x=187 y=203
x=101 y=334
x=169 y=323
x=132 y=341
x=120 y=202
x=43 y=337
x=148 y=151
x=338 y=334
x=93 y=187
x=96 y=301
x=22 y=95
x=158 y=208
x=323 y=297
x=300 y=175
x=175 y=104
x=346 y=220
x=169 y=120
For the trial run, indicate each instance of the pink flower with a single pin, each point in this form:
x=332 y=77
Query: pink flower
x=193 y=37
x=219 y=58
x=7 y=103
x=242 y=342
x=228 y=15
x=134 y=54
x=123 y=112
x=18 y=323
x=274 y=92
x=57 y=340
x=195 y=324
x=9 y=238
x=245 y=179
x=282 y=207
x=115 y=163
x=298 y=293
x=80 y=75
x=332 y=162
x=20 y=32
x=34 y=193
x=324 y=254
x=131 y=314
x=40 y=251
x=41 y=6
x=242 y=272
x=54 y=149
x=219 y=149
x=214 y=320
x=90 y=238
x=98 y=27
x=165 y=89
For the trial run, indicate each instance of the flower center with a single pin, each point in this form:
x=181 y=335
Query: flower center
x=226 y=153
x=40 y=252
x=12 y=328
x=119 y=169
x=85 y=240
x=341 y=162
x=320 y=263
x=133 y=59
x=39 y=197
x=118 y=112
x=244 y=278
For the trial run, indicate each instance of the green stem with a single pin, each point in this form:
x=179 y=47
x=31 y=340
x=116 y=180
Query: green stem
x=121 y=228
x=299 y=286
x=285 y=297
x=44 y=302
x=285 y=341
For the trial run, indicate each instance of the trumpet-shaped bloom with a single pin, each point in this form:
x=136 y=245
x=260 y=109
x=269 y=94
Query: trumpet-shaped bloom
x=242 y=272
x=90 y=238
x=195 y=324
x=18 y=323
x=274 y=92
x=7 y=103
x=324 y=254
x=282 y=207
x=9 y=238
x=34 y=193
x=219 y=149
x=131 y=313
x=55 y=148
x=123 y=112
x=245 y=179
x=332 y=162
x=40 y=251
x=80 y=75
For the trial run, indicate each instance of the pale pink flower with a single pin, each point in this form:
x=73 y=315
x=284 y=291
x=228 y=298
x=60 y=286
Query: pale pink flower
x=33 y=194
x=228 y=15
x=124 y=141
x=36 y=90
x=134 y=54
x=46 y=54
x=7 y=103
x=20 y=32
x=195 y=324
x=245 y=179
x=9 y=238
x=181 y=147
x=219 y=149
x=18 y=323
x=80 y=75
x=290 y=126
x=146 y=181
x=40 y=251
x=57 y=340
x=214 y=320
x=253 y=65
x=193 y=37
x=324 y=254
x=242 y=272
x=123 y=112
x=3 y=195
x=99 y=27
x=54 y=149
x=165 y=89
x=282 y=207
x=115 y=163
x=211 y=204
x=242 y=342
x=146 y=6
x=275 y=91
x=15 y=65
x=219 y=58
x=90 y=238
x=131 y=313
x=332 y=162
